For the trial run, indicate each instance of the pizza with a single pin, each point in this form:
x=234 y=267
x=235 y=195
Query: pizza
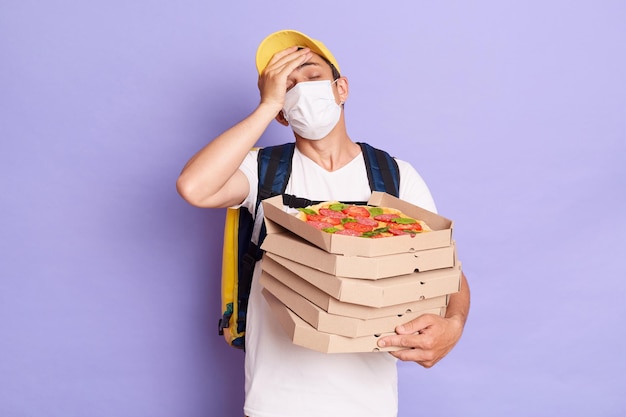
x=362 y=221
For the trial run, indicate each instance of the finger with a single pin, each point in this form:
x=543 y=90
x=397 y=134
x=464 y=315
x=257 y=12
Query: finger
x=424 y=358
x=405 y=341
x=287 y=55
x=278 y=55
x=288 y=59
x=416 y=325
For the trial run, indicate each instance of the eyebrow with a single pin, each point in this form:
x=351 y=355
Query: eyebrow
x=306 y=64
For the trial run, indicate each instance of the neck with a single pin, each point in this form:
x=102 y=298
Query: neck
x=331 y=153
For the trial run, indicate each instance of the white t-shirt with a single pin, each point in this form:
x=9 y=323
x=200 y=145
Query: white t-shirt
x=286 y=380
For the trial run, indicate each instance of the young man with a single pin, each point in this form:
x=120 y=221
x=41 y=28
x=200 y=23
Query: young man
x=301 y=87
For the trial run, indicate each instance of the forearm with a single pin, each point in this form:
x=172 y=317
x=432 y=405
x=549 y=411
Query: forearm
x=204 y=177
x=459 y=303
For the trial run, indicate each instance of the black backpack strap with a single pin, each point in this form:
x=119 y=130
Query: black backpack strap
x=382 y=170
x=292 y=201
x=274 y=164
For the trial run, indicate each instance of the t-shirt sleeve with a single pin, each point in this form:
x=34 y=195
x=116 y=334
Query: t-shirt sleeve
x=413 y=188
x=249 y=168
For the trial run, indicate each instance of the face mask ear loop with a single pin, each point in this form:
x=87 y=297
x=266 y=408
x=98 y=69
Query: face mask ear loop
x=340 y=102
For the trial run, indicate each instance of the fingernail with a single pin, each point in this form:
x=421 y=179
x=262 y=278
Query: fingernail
x=400 y=329
x=381 y=343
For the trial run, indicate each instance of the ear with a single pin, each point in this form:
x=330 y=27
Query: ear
x=342 y=89
x=280 y=118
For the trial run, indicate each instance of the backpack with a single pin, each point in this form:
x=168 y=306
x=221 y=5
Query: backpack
x=240 y=253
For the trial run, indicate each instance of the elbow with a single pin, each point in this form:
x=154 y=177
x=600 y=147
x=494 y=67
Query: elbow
x=189 y=191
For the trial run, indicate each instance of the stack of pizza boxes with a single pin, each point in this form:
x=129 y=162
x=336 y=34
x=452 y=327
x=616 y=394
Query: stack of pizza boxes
x=335 y=293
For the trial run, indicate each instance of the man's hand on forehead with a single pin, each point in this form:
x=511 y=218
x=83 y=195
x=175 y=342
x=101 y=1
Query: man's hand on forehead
x=273 y=80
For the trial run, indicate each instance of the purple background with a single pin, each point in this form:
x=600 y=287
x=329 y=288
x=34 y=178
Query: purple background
x=513 y=112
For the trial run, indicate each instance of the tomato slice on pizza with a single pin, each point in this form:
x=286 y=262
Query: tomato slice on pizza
x=360 y=221
x=356 y=211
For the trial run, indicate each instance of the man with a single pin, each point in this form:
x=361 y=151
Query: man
x=301 y=87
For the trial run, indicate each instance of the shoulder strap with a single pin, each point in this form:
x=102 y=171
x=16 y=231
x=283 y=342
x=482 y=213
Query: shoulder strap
x=274 y=164
x=382 y=170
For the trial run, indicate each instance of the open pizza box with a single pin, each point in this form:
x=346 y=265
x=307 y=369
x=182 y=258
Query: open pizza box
x=303 y=334
x=290 y=246
x=277 y=221
x=341 y=324
x=366 y=299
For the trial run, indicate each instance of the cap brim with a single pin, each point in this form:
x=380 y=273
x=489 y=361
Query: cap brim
x=283 y=39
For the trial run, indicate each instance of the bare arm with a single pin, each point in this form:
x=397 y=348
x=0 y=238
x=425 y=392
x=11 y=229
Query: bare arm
x=211 y=178
x=429 y=338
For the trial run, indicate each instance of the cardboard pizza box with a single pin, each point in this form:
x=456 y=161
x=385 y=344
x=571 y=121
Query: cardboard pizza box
x=365 y=299
x=278 y=221
x=290 y=246
x=338 y=324
x=303 y=334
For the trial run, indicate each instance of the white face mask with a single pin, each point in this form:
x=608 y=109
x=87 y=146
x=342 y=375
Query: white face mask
x=311 y=109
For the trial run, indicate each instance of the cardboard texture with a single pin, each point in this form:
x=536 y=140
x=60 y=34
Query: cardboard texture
x=279 y=221
x=299 y=250
x=365 y=299
x=336 y=324
x=303 y=334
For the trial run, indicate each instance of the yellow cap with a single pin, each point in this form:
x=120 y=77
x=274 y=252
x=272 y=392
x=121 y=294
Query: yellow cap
x=284 y=39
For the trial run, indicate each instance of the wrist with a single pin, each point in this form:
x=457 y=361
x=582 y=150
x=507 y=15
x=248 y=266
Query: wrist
x=270 y=108
x=457 y=320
